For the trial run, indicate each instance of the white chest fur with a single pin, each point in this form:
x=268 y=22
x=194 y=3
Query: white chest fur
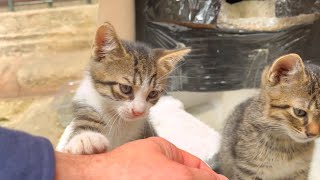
x=122 y=132
x=117 y=130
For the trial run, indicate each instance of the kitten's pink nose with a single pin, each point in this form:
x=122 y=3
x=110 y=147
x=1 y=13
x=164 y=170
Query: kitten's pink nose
x=137 y=113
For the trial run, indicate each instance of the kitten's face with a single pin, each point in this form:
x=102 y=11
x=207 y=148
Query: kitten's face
x=131 y=76
x=293 y=93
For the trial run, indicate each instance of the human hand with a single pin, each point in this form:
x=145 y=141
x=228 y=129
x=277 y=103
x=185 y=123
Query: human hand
x=151 y=159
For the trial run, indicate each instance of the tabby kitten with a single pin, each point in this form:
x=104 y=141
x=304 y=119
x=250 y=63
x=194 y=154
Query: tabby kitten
x=271 y=136
x=112 y=103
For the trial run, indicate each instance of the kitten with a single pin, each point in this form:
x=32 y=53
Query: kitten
x=111 y=105
x=271 y=135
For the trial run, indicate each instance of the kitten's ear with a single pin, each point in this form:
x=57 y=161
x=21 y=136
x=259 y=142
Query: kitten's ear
x=286 y=69
x=107 y=42
x=167 y=59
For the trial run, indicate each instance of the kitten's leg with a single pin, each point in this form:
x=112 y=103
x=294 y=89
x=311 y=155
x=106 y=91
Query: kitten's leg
x=87 y=136
x=87 y=142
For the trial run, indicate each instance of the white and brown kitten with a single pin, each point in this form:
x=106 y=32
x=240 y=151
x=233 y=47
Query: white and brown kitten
x=271 y=136
x=111 y=105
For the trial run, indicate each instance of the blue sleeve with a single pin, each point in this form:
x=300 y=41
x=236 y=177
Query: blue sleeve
x=25 y=157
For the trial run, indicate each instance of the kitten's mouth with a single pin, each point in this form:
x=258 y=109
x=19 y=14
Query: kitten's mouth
x=132 y=118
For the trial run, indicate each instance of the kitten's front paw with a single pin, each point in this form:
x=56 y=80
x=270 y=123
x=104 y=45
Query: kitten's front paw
x=87 y=143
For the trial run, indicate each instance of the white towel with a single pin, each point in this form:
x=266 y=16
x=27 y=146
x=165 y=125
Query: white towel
x=182 y=129
x=315 y=165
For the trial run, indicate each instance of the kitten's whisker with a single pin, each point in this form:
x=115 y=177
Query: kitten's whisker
x=116 y=128
x=118 y=121
x=110 y=118
x=114 y=120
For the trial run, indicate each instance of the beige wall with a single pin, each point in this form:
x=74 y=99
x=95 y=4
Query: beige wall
x=56 y=29
x=64 y=28
x=121 y=14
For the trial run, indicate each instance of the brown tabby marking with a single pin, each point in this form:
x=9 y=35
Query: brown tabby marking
x=111 y=106
x=271 y=136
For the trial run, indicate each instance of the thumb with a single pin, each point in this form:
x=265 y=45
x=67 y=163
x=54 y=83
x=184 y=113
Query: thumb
x=180 y=156
x=201 y=174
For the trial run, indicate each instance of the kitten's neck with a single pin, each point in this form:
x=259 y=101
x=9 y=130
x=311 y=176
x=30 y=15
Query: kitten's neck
x=120 y=131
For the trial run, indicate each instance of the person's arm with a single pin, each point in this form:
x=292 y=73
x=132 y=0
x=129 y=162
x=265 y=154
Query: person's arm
x=147 y=159
x=25 y=157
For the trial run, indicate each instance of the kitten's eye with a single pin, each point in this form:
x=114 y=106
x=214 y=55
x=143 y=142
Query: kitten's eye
x=153 y=94
x=299 y=112
x=125 y=89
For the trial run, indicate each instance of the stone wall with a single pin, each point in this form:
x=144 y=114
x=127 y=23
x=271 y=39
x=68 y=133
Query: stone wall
x=40 y=50
x=59 y=29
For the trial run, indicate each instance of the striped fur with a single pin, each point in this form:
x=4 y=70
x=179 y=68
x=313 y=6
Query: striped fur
x=264 y=138
x=120 y=80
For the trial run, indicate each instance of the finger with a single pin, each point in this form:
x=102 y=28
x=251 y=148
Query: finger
x=204 y=175
x=193 y=161
x=182 y=157
x=178 y=155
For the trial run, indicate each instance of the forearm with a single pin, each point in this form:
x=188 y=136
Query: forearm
x=69 y=166
x=84 y=167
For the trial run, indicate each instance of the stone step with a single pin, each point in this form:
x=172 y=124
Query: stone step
x=56 y=29
x=42 y=73
x=37 y=115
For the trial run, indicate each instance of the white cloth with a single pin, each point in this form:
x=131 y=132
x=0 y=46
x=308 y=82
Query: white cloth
x=315 y=165
x=182 y=129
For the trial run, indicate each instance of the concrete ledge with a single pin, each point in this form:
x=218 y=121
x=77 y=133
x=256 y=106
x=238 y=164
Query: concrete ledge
x=40 y=74
x=58 y=29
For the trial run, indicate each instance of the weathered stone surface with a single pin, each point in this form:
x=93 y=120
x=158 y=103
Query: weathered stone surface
x=43 y=49
x=51 y=71
x=8 y=84
x=33 y=115
x=10 y=109
x=41 y=73
x=62 y=103
x=64 y=29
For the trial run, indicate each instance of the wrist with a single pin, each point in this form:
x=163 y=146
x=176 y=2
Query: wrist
x=69 y=166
